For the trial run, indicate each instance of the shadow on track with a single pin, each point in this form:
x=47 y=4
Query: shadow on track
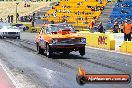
x=64 y=56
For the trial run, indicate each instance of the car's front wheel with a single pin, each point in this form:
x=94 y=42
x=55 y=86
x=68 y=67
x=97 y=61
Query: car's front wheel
x=82 y=51
x=48 y=50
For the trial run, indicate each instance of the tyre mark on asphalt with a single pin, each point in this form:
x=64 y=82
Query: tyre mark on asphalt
x=34 y=51
x=59 y=61
x=108 y=66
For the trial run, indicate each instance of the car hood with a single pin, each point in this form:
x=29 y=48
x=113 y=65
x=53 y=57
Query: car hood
x=9 y=30
x=71 y=35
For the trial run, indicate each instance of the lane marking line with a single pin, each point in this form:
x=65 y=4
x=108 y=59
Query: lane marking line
x=15 y=82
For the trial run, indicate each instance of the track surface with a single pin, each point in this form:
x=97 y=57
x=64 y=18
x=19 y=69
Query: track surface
x=33 y=70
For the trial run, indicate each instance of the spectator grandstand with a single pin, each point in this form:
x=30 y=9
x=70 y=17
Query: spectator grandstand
x=23 y=9
x=121 y=12
x=77 y=12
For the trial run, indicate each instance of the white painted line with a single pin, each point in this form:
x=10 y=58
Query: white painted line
x=11 y=76
x=113 y=51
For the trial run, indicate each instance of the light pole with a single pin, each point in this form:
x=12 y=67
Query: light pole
x=16 y=10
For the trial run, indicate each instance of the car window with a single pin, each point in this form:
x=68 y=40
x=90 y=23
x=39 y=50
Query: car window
x=5 y=27
x=12 y=27
x=52 y=29
x=4 y=24
x=56 y=28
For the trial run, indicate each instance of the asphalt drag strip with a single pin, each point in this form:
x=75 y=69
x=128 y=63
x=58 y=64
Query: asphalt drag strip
x=37 y=71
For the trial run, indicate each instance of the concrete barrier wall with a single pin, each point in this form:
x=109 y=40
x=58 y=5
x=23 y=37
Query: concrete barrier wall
x=99 y=40
x=126 y=47
x=35 y=29
x=29 y=26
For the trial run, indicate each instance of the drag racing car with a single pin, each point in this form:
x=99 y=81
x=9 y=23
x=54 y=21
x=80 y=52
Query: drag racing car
x=59 y=38
x=7 y=31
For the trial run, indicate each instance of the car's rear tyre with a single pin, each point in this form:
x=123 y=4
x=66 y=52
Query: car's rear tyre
x=39 y=49
x=48 y=51
x=82 y=51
